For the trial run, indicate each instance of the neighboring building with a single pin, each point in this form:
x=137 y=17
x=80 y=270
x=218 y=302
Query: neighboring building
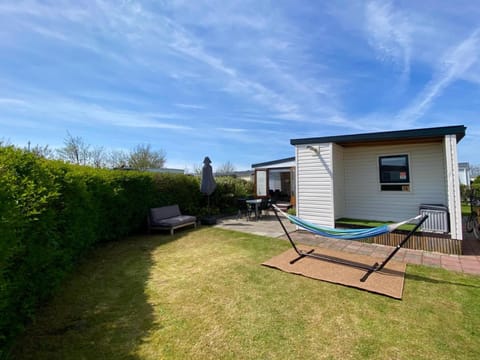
x=246 y=175
x=464 y=173
x=384 y=176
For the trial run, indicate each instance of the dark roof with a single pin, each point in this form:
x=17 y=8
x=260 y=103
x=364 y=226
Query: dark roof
x=436 y=133
x=274 y=162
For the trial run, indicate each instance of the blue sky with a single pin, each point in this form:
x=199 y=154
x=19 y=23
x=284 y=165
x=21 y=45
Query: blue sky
x=235 y=80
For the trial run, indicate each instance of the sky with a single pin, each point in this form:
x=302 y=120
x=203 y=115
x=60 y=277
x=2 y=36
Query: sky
x=235 y=80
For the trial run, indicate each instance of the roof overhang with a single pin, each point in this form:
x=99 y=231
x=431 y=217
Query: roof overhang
x=436 y=134
x=277 y=163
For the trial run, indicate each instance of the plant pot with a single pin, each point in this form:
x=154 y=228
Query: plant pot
x=208 y=220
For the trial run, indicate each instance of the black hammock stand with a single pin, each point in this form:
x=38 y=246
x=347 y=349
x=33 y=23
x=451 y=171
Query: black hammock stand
x=369 y=269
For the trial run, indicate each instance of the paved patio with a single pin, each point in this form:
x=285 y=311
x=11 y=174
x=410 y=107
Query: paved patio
x=468 y=263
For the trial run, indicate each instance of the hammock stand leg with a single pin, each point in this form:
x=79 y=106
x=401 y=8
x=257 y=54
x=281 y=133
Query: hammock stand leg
x=369 y=269
x=398 y=247
x=403 y=242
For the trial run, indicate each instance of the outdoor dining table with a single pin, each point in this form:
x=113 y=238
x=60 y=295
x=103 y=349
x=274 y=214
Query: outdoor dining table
x=256 y=203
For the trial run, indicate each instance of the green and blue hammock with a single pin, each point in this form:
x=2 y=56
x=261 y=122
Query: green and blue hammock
x=347 y=234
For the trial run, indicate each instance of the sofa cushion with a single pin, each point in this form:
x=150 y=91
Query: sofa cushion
x=164 y=212
x=176 y=220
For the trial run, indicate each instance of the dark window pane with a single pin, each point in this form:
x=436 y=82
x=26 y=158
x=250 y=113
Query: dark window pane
x=394 y=169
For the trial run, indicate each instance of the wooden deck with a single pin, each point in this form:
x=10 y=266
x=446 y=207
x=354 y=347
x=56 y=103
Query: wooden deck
x=427 y=241
x=420 y=241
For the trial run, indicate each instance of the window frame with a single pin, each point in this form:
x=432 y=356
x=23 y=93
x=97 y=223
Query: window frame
x=394 y=185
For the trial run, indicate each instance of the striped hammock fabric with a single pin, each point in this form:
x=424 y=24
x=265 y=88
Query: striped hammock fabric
x=344 y=234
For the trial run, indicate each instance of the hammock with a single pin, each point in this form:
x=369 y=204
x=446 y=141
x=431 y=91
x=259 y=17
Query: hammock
x=347 y=234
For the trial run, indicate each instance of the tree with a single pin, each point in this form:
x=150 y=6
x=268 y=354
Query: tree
x=5 y=143
x=97 y=157
x=197 y=169
x=225 y=169
x=42 y=151
x=142 y=157
x=118 y=159
x=75 y=150
x=474 y=171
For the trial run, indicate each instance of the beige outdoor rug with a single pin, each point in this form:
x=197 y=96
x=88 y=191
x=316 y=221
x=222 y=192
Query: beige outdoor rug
x=388 y=282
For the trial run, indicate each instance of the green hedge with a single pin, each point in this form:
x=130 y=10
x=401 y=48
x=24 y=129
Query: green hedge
x=51 y=213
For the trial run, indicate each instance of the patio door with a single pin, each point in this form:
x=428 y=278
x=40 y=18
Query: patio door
x=277 y=182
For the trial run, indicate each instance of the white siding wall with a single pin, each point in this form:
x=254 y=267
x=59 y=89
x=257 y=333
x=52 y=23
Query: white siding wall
x=338 y=181
x=315 y=184
x=363 y=198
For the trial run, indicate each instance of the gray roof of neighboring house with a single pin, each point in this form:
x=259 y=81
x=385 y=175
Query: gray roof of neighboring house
x=397 y=136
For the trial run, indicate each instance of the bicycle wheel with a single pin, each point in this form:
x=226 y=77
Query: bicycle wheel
x=469 y=224
x=476 y=229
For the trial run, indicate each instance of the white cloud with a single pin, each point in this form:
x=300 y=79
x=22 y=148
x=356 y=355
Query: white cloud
x=233 y=130
x=452 y=66
x=389 y=34
x=190 y=106
x=82 y=112
x=12 y=101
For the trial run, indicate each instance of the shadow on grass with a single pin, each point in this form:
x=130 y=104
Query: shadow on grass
x=102 y=309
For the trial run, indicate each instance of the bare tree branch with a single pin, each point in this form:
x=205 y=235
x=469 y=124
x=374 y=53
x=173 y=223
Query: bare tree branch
x=142 y=157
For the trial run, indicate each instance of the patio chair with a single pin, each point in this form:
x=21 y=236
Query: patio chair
x=265 y=206
x=243 y=208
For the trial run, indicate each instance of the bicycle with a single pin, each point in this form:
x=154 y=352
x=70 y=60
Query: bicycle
x=473 y=220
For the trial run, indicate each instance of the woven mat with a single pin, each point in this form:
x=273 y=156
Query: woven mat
x=388 y=282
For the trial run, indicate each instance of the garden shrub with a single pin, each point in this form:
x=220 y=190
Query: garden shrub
x=228 y=190
x=178 y=189
x=29 y=244
x=52 y=213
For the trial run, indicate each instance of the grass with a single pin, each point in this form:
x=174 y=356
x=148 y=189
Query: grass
x=202 y=294
x=370 y=223
x=466 y=209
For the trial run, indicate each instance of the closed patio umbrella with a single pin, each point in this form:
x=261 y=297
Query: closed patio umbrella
x=208 y=186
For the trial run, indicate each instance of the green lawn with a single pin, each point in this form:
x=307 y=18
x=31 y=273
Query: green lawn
x=370 y=223
x=203 y=294
x=466 y=209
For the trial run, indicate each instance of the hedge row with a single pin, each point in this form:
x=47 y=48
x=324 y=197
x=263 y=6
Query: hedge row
x=51 y=213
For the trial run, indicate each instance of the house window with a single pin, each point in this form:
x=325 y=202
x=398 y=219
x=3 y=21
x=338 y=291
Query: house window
x=261 y=182
x=394 y=173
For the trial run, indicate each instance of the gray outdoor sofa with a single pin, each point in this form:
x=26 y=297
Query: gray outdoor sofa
x=169 y=218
